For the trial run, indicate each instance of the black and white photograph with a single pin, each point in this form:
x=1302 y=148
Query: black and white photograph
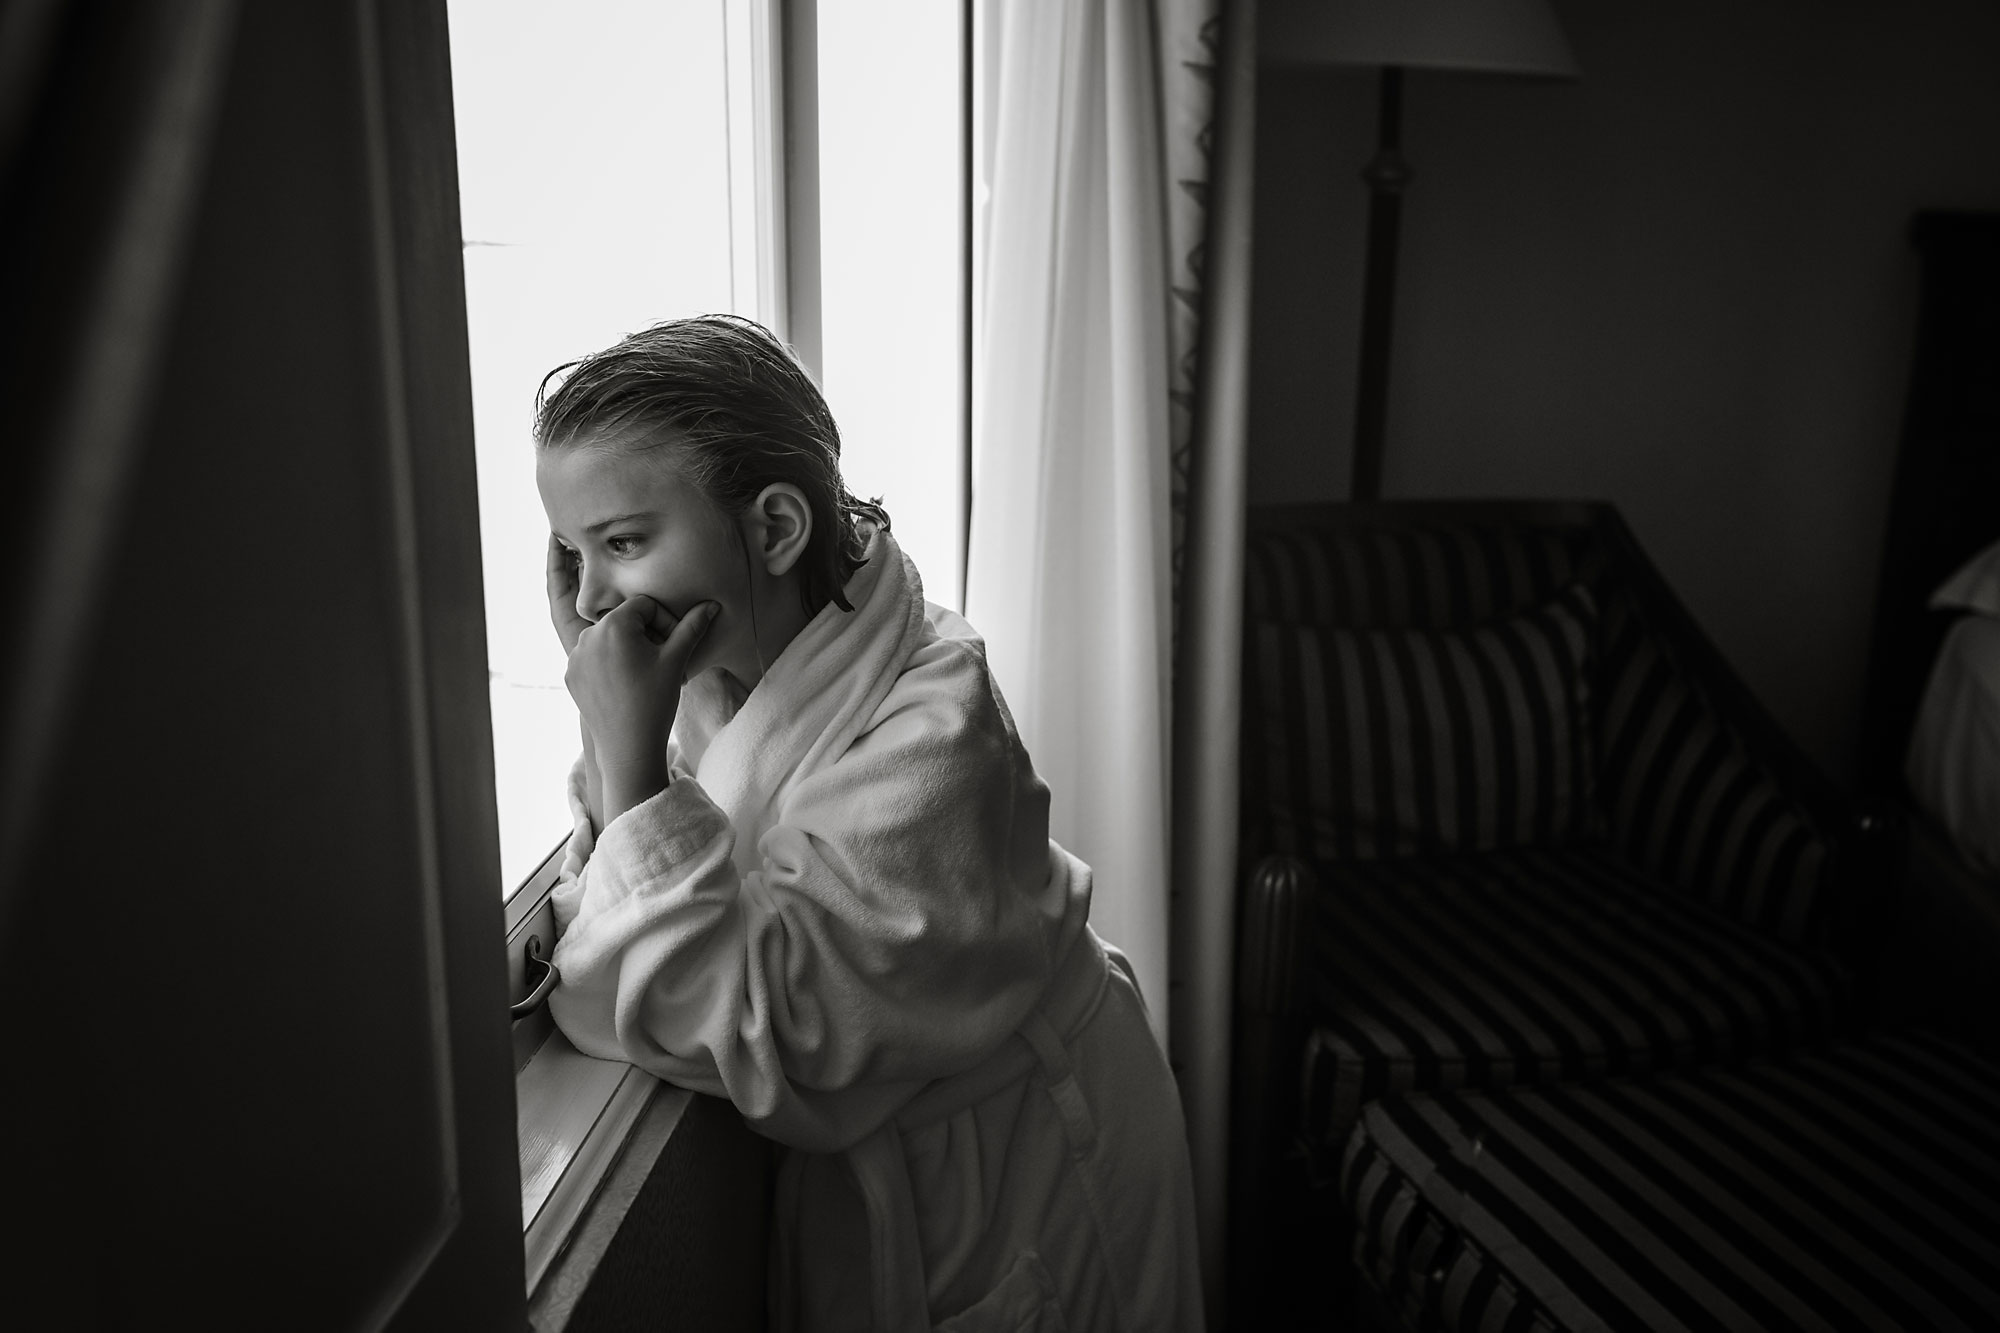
x=1001 y=666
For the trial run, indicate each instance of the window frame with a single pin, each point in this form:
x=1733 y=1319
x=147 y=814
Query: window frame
x=573 y=1113
x=577 y=1117
x=772 y=222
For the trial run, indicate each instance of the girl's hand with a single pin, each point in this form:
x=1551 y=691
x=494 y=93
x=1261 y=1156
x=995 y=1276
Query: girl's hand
x=625 y=674
x=560 y=576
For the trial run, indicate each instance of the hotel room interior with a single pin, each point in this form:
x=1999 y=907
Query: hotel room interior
x=1583 y=815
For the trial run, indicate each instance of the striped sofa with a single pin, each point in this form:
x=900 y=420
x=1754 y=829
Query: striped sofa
x=1508 y=819
x=1852 y=1188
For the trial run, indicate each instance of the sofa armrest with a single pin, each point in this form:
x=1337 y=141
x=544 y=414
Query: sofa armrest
x=1269 y=937
x=1273 y=914
x=1700 y=785
x=1272 y=920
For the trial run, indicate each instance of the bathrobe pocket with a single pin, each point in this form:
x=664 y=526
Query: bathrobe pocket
x=1023 y=1302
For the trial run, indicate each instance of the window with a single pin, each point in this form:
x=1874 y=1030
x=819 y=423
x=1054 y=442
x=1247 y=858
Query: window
x=598 y=145
x=627 y=163
x=622 y=165
x=892 y=276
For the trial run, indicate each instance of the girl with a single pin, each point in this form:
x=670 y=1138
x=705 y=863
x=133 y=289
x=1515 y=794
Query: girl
x=811 y=870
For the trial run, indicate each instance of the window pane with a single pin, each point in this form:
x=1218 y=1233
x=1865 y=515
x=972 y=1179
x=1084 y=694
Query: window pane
x=594 y=155
x=891 y=185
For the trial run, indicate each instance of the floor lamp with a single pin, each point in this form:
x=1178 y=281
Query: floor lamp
x=1511 y=37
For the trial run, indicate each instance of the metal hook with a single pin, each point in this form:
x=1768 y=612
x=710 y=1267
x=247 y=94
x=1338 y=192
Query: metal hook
x=540 y=995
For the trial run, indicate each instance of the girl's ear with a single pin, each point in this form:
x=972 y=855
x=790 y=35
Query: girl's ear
x=780 y=524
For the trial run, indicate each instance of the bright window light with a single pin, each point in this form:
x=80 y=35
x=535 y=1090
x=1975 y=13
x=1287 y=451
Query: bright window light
x=593 y=160
x=891 y=193
x=617 y=167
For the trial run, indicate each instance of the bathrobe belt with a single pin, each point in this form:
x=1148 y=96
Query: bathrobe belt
x=900 y=1297
x=1072 y=997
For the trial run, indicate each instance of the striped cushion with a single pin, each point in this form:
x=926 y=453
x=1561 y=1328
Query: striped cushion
x=1400 y=742
x=1531 y=965
x=1855 y=1188
x=1678 y=790
x=1685 y=798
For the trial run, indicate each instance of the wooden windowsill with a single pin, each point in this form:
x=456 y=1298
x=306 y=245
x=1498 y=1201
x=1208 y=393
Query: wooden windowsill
x=568 y=1271
x=575 y=1115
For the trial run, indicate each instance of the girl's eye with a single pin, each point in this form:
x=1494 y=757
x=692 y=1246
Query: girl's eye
x=623 y=545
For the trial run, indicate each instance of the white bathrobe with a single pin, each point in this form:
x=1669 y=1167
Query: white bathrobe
x=845 y=914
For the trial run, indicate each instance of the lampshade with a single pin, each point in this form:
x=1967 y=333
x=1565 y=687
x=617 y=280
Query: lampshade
x=1481 y=36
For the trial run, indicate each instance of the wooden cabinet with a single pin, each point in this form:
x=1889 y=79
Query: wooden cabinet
x=1945 y=507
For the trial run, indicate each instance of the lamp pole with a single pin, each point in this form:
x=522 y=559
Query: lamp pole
x=1385 y=175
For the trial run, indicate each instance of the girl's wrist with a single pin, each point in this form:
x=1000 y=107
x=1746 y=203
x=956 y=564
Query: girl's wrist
x=638 y=767
x=630 y=783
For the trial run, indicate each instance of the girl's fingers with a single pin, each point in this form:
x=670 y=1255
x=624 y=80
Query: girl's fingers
x=556 y=564
x=659 y=622
x=562 y=588
x=686 y=634
x=675 y=636
x=628 y=617
x=640 y=614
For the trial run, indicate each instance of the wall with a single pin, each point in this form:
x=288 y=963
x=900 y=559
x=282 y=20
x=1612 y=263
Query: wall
x=1680 y=284
x=677 y=1234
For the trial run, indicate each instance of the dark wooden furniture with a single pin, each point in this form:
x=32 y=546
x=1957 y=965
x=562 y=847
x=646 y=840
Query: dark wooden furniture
x=1946 y=504
x=1943 y=953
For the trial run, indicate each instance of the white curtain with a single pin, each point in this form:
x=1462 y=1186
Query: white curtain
x=1110 y=367
x=1069 y=566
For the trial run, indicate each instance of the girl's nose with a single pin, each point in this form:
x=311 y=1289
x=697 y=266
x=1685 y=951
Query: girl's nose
x=595 y=597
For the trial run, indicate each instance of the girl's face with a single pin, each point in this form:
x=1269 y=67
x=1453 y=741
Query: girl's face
x=634 y=526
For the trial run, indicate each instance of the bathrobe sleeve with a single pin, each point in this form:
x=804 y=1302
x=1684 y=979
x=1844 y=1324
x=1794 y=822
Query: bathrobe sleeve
x=906 y=913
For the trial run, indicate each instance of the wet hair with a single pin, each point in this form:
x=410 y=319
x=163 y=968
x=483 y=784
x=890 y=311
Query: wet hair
x=736 y=412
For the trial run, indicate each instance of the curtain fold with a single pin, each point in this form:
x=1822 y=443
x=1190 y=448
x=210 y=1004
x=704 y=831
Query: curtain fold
x=1105 y=556
x=1068 y=571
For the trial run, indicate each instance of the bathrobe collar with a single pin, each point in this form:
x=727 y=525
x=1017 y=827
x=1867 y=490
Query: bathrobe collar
x=812 y=701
